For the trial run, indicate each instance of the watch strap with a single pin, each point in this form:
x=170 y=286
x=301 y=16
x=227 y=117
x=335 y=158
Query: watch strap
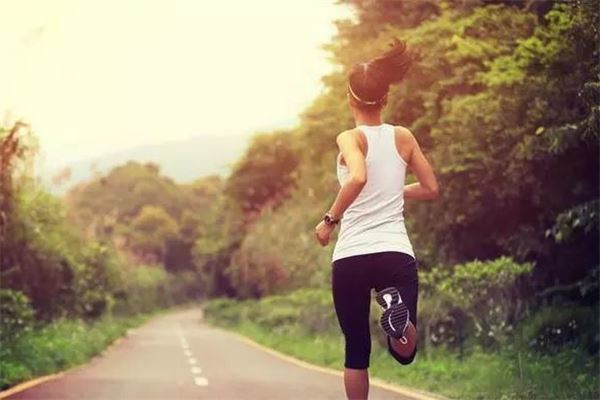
x=330 y=220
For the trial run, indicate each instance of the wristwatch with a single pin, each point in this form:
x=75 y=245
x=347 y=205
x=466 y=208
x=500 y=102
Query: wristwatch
x=329 y=220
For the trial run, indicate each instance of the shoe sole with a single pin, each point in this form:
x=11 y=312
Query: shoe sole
x=394 y=320
x=388 y=297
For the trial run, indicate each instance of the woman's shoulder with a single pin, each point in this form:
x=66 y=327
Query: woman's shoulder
x=403 y=135
x=405 y=142
x=350 y=134
x=402 y=131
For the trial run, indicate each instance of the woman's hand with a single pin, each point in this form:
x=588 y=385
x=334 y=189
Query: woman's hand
x=323 y=233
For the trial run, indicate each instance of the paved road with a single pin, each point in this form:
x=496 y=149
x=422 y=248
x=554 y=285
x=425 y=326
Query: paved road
x=178 y=357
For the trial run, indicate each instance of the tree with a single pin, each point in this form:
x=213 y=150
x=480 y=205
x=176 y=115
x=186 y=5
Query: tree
x=151 y=230
x=265 y=174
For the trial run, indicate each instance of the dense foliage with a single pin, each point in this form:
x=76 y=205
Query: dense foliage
x=144 y=213
x=49 y=270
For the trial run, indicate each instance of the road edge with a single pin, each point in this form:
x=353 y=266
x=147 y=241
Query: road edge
x=405 y=391
x=20 y=387
x=45 y=378
x=29 y=384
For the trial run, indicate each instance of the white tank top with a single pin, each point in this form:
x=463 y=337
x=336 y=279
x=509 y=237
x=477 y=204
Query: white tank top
x=374 y=222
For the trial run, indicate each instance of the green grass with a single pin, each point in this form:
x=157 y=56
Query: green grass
x=279 y=323
x=59 y=345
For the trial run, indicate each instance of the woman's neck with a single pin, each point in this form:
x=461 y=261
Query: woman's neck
x=361 y=118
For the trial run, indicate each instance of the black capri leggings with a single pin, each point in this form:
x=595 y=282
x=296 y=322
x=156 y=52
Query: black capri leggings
x=352 y=281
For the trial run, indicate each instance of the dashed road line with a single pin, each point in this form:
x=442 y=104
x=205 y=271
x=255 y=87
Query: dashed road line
x=201 y=381
x=196 y=370
x=198 y=380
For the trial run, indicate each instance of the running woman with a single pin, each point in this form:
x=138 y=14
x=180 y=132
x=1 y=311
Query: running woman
x=373 y=250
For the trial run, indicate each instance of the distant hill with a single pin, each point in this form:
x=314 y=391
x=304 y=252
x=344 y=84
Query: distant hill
x=182 y=160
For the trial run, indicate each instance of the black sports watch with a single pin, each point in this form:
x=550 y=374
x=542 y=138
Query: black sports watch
x=329 y=220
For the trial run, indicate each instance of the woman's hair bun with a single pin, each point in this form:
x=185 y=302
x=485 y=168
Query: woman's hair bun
x=369 y=83
x=391 y=66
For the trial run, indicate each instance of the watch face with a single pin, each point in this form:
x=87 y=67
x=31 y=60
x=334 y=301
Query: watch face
x=328 y=220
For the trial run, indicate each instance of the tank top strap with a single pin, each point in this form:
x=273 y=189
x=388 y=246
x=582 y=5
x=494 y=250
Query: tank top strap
x=374 y=137
x=389 y=134
x=381 y=141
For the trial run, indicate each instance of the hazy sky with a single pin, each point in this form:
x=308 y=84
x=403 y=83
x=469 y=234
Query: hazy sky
x=93 y=77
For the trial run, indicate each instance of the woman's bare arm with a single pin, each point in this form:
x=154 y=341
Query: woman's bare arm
x=427 y=187
x=357 y=173
x=349 y=191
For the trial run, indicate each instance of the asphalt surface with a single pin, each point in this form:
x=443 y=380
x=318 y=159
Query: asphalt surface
x=177 y=356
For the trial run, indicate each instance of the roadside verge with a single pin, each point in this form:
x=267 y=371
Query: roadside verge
x=405 y=391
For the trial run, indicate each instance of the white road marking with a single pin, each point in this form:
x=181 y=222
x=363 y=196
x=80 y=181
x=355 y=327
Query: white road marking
x=201 y=381
x=182 y=340
x=198 y=380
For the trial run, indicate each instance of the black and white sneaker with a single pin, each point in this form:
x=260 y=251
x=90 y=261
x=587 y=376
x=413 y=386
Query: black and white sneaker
x=395 y=317
x=388 y=297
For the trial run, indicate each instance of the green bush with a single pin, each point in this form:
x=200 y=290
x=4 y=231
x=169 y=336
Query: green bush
x=16 y=315
x=553 y=328
x=66 y=275
x=441 y=321
x=223 y=311
x=306 y=310
x=12 y=372
x=481 y=295
x=279 y=252
x=144 y=289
